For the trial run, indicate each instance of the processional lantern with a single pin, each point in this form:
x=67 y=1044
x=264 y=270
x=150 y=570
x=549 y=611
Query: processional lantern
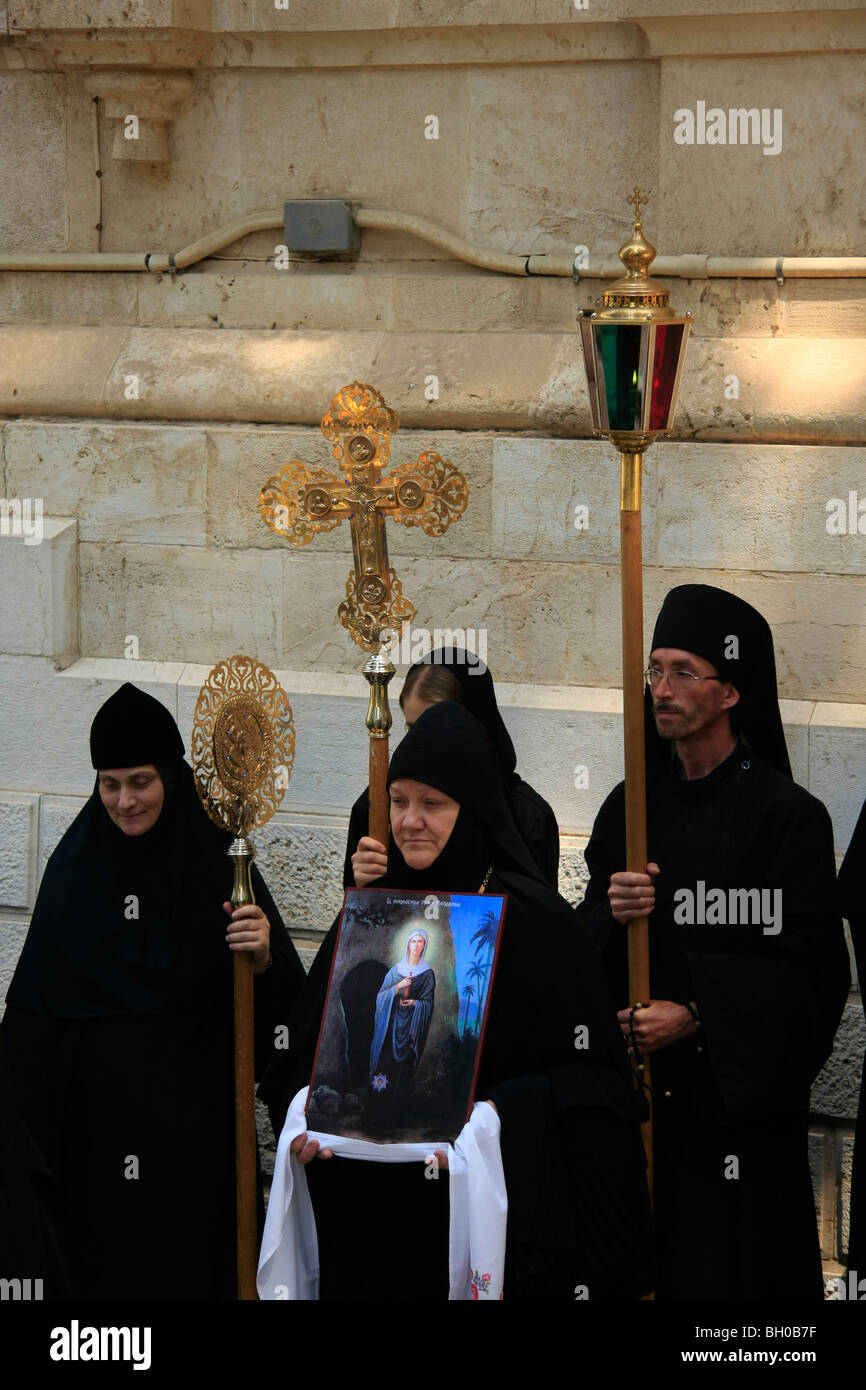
x=634 y=347
x=301 y=502
x=243 y=746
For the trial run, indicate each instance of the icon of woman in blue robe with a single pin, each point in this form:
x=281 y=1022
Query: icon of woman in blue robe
x=404 y=1008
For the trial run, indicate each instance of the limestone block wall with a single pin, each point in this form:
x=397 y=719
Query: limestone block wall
x=141 y=412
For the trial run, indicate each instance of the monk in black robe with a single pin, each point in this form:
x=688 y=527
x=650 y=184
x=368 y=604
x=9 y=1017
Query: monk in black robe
x=119 y=1022
x=578 y=1214
x=748 y=966
x=453 y=674
x=852 y=904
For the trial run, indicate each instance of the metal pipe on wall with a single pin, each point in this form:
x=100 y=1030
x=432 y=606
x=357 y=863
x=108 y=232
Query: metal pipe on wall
x=687 y=267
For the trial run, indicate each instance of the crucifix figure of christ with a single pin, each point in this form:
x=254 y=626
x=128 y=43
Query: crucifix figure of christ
x=301 y=502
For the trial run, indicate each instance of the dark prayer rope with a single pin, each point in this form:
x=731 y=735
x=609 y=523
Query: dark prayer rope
x=631 y=1037
x=639 y=1067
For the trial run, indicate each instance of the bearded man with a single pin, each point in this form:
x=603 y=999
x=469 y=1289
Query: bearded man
x=748 y=966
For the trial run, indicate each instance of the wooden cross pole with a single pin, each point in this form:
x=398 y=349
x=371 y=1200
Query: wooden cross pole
x=300 y=502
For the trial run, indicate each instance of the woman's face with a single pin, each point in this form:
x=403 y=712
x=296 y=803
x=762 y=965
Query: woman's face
x=422 y=819
x=133 y=797
x=413 y=707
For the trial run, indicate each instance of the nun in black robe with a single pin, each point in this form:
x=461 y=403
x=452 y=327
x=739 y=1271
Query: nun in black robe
x=734 y=1211
x=531 y=814
x=119 y=1029
x=572 y=1155
x=852 y=904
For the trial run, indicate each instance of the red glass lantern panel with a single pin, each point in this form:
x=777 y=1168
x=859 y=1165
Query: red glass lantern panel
x=666 y=358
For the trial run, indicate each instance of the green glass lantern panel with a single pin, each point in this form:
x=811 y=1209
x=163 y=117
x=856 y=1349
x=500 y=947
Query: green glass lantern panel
x=589 y=366
x=666 y=358
x=619 y=346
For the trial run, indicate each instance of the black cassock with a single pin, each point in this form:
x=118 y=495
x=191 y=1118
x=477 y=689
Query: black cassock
x=119 y=1030
x=734 y=1209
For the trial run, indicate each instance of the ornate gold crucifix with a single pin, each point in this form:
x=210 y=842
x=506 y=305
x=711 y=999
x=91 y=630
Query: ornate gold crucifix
x=300 y=502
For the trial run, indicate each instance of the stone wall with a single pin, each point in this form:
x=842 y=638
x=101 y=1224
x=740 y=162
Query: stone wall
x=145 y=410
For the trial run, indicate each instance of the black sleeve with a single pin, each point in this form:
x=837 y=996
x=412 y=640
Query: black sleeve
x=359 y=824
x=605 y=855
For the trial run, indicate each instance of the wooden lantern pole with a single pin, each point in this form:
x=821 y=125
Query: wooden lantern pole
x=631 y=571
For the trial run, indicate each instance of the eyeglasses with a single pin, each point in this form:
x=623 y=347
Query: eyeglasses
x=677 y=680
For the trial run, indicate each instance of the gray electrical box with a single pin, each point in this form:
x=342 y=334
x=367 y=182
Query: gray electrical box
x=321 y=227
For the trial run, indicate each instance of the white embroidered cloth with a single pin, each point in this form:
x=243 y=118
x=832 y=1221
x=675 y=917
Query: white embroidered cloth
x=289 y=1257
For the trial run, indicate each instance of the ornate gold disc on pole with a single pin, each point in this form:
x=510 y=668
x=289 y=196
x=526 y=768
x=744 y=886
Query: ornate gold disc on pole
x=243 y=746
x=300 y=502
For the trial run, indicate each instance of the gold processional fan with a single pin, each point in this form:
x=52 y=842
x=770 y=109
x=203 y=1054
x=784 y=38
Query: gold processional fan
x=243 y=746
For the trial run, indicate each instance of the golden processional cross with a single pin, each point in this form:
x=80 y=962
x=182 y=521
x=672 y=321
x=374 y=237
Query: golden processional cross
x=301 y=502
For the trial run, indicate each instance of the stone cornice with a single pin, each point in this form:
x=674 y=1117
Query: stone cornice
x=801 y=390
x=602 y=38
x=452 y=47
x=706 y=36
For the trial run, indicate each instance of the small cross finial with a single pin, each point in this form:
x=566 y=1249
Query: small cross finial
x=638 y=200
